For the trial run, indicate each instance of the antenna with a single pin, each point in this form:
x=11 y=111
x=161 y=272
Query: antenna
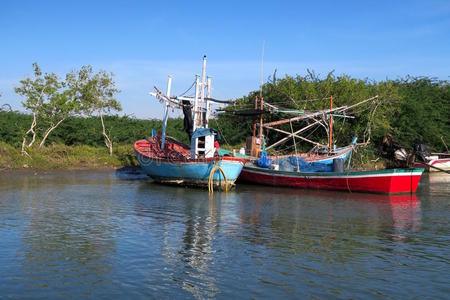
x=261 y=99
x=262 y=68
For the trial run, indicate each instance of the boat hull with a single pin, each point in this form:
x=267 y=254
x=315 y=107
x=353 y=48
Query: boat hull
x=436 y=165
x=191 y=172
x=318 y=158
x=380 y=181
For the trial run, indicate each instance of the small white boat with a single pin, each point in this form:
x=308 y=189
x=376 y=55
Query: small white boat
x=436 y=163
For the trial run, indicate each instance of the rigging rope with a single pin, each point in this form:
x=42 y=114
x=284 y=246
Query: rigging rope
x=192 y=85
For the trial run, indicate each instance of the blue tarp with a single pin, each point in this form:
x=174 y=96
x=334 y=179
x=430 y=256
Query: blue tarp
x=291 y=163
x=204 y=132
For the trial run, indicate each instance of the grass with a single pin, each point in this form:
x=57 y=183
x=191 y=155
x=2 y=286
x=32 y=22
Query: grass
x=59 y=156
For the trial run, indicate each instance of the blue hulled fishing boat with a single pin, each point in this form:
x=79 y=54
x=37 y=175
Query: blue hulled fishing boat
x=167 y=160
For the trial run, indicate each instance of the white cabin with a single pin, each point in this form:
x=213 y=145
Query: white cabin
x=202 y=143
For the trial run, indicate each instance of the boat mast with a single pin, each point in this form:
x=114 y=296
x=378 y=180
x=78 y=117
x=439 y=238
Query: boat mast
x=208 y=103
x=202 y=94
x=199 y=101
x=330 y=142
x=261 y=124
x=262 y=100
x=166 y=112
x=196 y=100
x=254 y=121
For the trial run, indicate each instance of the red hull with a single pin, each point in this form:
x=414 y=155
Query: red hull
x=384 y=181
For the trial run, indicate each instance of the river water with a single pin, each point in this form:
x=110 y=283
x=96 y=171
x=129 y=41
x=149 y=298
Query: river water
x=104 y=235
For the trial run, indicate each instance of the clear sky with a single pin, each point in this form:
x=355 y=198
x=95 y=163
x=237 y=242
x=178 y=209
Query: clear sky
x=142 y=42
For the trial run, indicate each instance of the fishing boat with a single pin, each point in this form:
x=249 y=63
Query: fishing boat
x=322 y=161
x=320 y=154
x=376 y=181
x=327 y=172
x=431 y=162
x=167 y=160
x=435 y=163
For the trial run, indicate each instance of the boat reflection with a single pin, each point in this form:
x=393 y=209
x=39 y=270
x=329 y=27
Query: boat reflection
x=187 y=220
x=189 y=228
x=325 y=221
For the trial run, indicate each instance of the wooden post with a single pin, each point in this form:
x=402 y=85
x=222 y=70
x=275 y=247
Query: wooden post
x=331 y=125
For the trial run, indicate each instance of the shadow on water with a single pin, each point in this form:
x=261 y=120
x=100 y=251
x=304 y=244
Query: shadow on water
x=131 y=173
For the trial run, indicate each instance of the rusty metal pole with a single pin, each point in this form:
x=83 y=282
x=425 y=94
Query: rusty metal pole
x=261 y=123
x=254 y=121
x=331 y=125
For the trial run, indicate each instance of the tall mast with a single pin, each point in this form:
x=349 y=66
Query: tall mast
x=261 y=123
x=202 y=94
x=262 y=99
x=166 y=112
x=208 y=95
x=196 y=104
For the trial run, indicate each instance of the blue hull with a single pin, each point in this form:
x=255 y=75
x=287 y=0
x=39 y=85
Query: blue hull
x=329 y=161
x=291 y=163
x=189 y=173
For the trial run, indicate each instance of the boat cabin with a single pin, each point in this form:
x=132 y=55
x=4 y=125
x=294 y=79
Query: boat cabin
x=202 y=143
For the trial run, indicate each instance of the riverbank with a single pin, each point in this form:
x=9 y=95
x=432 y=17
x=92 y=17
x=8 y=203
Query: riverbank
x=83 y=157
x=63 y=157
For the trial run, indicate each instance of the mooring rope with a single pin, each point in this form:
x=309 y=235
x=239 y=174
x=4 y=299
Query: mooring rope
x=211 y=179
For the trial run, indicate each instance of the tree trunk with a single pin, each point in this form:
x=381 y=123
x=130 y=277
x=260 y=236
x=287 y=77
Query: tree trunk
x=33 y=125
x=48 y=131
x=108 y=141
x=31 y=130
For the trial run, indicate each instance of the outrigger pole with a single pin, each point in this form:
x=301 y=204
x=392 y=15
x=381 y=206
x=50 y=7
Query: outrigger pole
x=313 y=116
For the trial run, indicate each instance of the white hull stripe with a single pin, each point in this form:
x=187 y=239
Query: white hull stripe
x=309 y=176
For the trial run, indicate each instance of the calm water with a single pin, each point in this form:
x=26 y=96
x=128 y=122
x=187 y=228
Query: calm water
x=100 y=235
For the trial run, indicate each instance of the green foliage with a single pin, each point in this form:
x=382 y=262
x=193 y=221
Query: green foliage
x=87 y=130
x=413 y=110
x=52 y=100
x=97 y=91
x=424 y=113
x=13 y=126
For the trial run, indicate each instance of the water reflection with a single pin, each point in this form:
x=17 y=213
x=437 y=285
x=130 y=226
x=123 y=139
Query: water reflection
x=435 y=183
x=326 y=222
x=93 y=234
x=66 y=234
x=189 y=221
x=286 y=222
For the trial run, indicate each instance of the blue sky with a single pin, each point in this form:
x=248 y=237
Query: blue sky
x=142 y=42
